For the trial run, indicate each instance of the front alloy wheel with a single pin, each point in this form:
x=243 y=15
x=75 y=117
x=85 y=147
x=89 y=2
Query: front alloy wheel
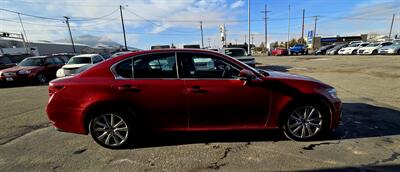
x=304 y=123
x=41 y=78
x=110 y=130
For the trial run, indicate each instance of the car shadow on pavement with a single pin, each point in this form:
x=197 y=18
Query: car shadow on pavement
x=392 y=167
x=359 y=120
x=275 y=68
x=19 y=84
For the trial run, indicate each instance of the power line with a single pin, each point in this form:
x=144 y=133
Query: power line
x=30 y=15
x=95 y=18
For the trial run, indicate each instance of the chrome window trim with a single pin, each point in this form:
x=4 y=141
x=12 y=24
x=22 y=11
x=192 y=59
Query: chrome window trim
x=217 y=57
x=117 y=77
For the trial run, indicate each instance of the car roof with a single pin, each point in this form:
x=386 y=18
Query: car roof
x=85 y=55
x=233 y=48
x=38 y=57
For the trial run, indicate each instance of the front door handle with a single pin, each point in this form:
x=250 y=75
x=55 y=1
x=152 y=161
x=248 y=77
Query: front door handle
x=197 y=89
x=129 y=88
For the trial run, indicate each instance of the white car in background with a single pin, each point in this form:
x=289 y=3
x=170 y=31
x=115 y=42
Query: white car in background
x=352 y=48
x=391 y=49
x=79 y=63
x=373 y=48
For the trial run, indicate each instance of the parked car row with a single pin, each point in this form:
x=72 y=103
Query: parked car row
x=362 y=48
x=41 y=69
x=353 y=48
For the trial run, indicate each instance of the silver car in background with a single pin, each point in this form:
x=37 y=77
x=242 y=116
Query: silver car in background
x=391 y=49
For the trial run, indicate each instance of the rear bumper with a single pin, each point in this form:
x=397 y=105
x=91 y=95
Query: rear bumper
x=65 y=118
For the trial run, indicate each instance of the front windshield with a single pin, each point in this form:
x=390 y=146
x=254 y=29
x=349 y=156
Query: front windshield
x=235 y=52
x=32 y=62
x=373 y=45
x=80 y=60
x=354 y=45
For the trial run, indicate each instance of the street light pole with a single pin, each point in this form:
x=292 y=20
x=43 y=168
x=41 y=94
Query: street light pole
x=248 y=23
x=201 y=29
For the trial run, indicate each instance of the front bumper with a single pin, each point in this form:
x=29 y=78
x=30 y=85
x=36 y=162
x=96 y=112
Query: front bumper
x=345 y=52
x=386 y=52
x=17 y=77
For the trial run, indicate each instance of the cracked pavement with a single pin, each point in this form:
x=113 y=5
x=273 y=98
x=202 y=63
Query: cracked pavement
x=368 y=138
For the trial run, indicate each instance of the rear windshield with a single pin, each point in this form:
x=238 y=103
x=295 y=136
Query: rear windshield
x=235 y=52
x=80 y=60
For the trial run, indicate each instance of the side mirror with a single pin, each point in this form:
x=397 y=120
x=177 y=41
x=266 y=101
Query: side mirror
x=246 y=75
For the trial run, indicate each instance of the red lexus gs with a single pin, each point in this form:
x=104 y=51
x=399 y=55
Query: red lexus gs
x=188 y=90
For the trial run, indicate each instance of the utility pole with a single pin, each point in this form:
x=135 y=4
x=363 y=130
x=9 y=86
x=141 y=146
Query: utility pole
x=24 y=35
x=248 y=23
x=391 y=26
x=123 y=26
x=302 y=27
x=201 y=29
x=265 y=25
x=315 y=31
x=288 y=35
x=70 y=33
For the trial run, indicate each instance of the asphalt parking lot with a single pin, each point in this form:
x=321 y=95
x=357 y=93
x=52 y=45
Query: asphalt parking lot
x=368 y=139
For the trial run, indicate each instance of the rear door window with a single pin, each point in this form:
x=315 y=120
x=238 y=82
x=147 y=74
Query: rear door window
x=161 y=65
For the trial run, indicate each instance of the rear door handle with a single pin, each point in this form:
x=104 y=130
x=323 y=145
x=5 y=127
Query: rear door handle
x=129 y=88
x=197 y=89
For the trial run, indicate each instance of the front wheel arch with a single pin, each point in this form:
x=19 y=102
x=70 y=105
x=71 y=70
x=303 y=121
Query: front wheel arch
x=313 y=99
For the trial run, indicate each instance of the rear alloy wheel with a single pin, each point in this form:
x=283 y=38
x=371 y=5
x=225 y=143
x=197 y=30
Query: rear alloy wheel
x=41 y=79
x=304 y=123
x=110 y=130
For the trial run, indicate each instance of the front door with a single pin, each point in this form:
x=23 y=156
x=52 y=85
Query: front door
x=217 y=98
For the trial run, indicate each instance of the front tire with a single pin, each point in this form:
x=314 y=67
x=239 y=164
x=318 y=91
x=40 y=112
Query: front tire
x=112 y=129
x=354 y=52
x=41 y=78
x=305 y=122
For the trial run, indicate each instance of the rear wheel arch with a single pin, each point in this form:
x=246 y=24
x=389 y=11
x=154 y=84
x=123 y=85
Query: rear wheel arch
x=101 y=106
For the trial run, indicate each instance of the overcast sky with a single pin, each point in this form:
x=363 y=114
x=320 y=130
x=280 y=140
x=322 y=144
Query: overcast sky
x=150 y=22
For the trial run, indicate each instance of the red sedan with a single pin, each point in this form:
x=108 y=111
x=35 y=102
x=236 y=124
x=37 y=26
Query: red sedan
x=279 y=52
x=188 y=90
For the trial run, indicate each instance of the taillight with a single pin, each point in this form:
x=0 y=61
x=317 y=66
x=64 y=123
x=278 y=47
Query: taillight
x=55 y=88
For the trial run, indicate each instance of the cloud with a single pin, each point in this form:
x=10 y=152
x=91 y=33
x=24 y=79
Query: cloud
x=178 y=16
x=237 y=4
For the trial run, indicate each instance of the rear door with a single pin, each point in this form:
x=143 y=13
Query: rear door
x=217 y=98
x=151 y=84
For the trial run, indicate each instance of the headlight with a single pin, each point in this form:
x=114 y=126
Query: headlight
x=24 y=72
x=332 y=92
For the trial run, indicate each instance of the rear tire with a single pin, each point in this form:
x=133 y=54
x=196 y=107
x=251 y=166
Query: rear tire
x=375 y=52
x=305 y=122
x=112 y=128
x=354 y=52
